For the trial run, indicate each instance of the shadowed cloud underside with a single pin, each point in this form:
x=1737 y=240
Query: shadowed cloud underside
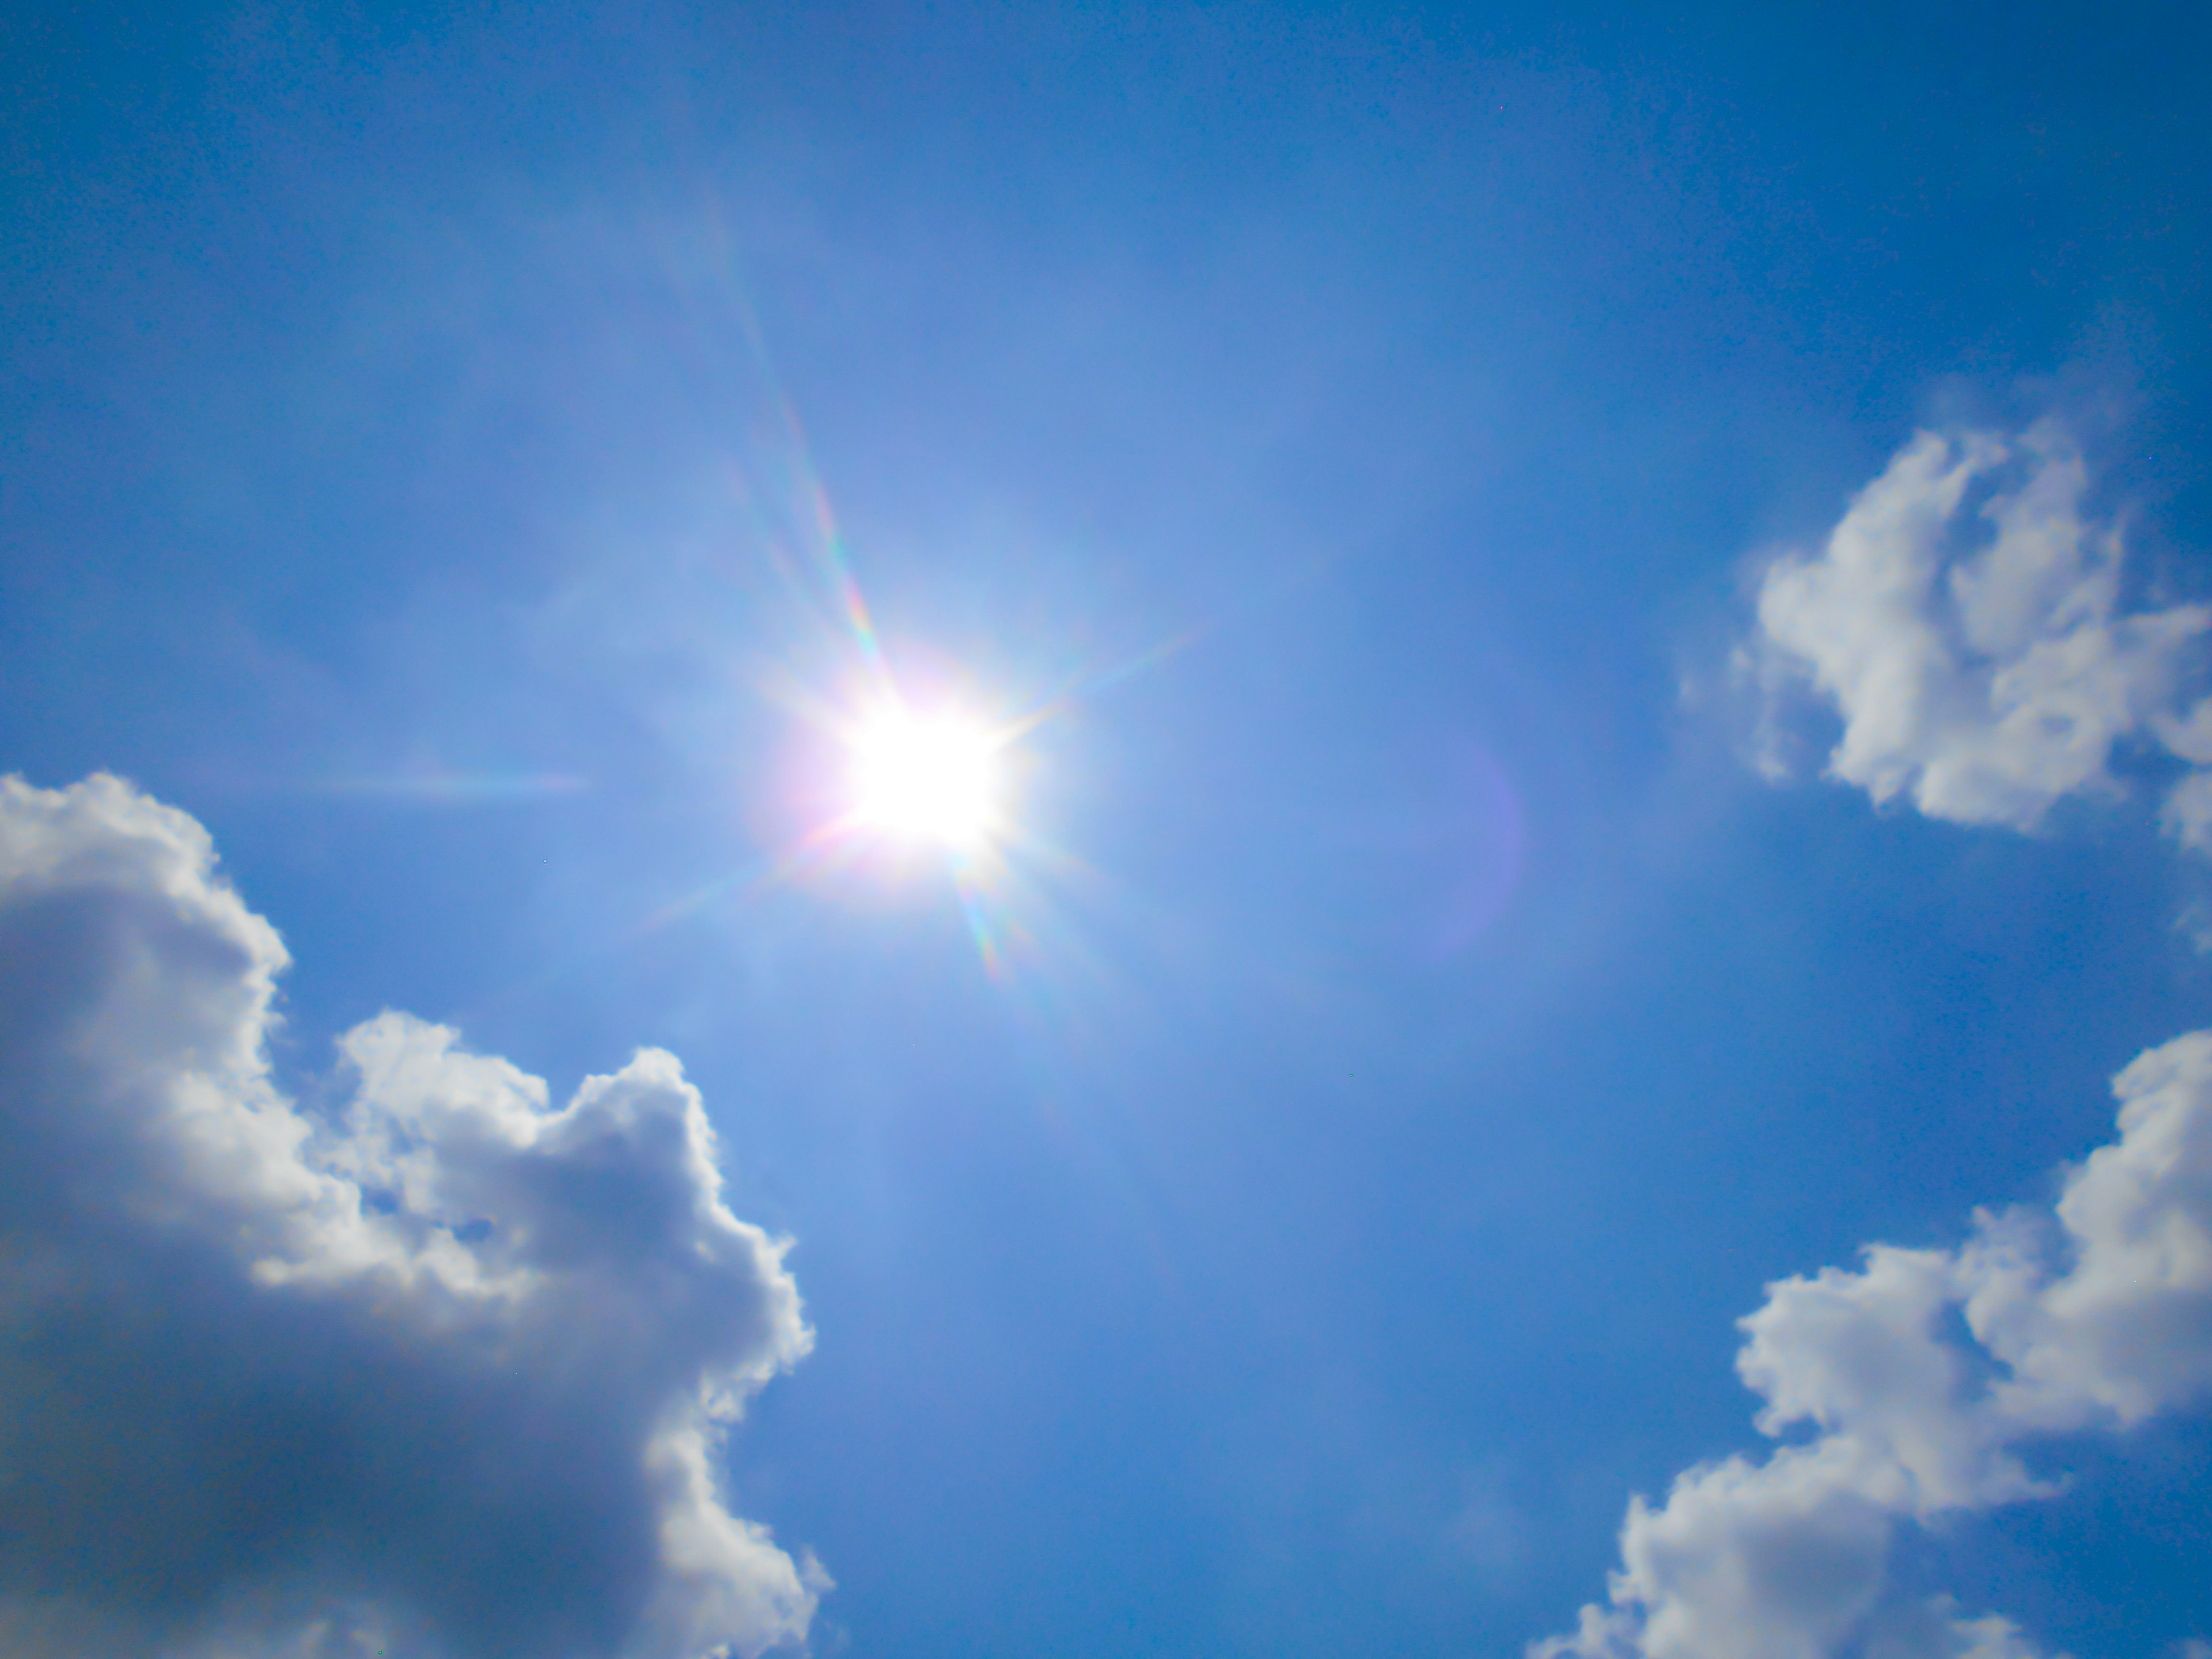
x=434 y=1364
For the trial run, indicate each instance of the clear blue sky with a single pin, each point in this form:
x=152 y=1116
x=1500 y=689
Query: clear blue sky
x=1433 y=1030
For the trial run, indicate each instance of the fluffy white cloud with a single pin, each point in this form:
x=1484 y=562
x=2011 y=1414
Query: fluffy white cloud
x=1920 y=1373
x=439 y=1369
x=1965 y=620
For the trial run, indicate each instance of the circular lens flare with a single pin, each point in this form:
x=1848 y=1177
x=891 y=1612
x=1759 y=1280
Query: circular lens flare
x=932 y=778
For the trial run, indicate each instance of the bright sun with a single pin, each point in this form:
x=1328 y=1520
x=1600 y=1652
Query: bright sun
x=931 y=778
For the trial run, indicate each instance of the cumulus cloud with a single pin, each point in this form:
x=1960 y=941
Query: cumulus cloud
x=1965 y=620
x=1920 y=1375
x=437 y=1367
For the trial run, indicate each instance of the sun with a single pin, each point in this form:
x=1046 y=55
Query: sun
x=926 y=777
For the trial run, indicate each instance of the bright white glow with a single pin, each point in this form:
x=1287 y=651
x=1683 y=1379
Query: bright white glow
x=933 y=779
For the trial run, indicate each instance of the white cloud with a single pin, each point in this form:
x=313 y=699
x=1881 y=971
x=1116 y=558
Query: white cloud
x=444 y=1368
x=1964 y=620
x=1920 y=1374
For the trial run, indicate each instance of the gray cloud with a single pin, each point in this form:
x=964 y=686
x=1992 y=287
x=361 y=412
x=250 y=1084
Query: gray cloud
x=442 y=1369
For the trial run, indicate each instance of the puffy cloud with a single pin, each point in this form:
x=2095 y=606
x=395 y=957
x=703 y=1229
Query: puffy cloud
x=1933 y=1629
x=1965 y=620
x=436 y=1368
x=2127 y=1333
x=1920 y=1374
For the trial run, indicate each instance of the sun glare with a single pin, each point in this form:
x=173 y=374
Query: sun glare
x=934 y=778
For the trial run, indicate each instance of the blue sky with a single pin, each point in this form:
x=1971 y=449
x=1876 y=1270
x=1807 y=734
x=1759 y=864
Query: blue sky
x=1513 y=870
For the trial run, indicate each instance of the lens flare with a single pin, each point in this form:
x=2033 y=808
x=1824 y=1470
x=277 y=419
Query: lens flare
x=927 y=778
